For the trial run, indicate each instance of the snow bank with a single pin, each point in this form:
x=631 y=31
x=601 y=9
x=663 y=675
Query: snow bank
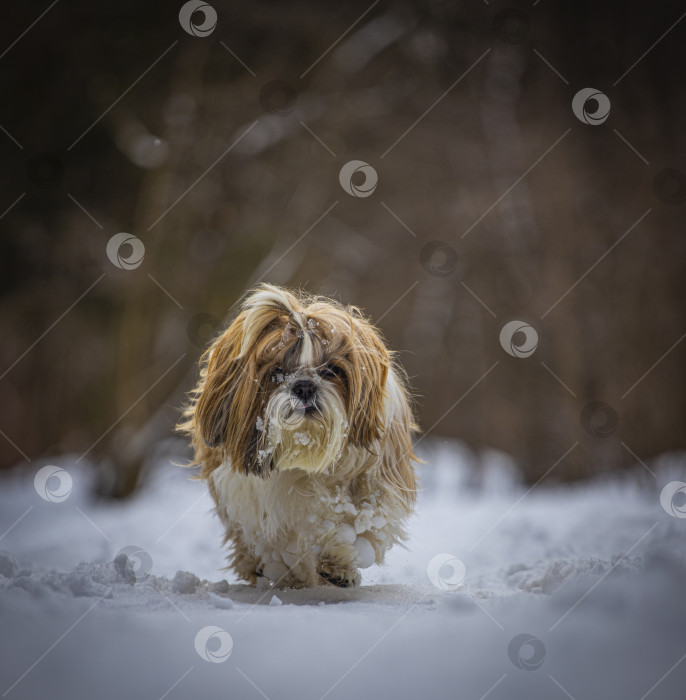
x=562 y=592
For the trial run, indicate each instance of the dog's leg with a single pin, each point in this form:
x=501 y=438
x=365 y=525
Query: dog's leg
x=286 y=565
x=242 y=559
x=339 y=574
x=336 y=564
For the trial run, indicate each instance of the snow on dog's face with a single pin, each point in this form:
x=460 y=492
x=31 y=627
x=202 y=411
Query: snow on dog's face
x=291 y=383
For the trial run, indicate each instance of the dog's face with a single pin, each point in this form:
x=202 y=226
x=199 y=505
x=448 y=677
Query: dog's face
x=291 y=383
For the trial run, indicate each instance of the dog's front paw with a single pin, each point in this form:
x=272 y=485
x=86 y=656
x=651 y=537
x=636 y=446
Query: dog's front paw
x=339 y=574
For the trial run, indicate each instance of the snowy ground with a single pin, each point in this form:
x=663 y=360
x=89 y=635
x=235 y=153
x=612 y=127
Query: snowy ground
x=594 y=574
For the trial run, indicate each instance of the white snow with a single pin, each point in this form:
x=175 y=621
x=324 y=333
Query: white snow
x=594 y=574
x=345 y=534
x=302 y=438
x=364 y=552
x=220 y=601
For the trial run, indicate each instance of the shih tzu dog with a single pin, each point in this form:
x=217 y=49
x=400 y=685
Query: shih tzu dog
x=302 y=426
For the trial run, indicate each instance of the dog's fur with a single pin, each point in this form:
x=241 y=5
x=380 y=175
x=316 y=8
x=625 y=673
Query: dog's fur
x=301 y=424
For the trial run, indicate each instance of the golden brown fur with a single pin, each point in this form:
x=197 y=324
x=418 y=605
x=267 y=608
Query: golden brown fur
x=255 y=441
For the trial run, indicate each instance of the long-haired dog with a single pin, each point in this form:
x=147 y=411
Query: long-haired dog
x=302 y=426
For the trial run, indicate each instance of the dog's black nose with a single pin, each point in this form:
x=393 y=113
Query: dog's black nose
x=304 y=389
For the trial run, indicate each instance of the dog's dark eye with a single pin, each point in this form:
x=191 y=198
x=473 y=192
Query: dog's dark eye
x=331 y=372
x=278 y=375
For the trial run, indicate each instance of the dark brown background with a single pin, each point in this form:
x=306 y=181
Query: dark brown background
x=89 y=378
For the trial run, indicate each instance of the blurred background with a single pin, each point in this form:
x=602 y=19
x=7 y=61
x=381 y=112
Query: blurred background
x=219 y=148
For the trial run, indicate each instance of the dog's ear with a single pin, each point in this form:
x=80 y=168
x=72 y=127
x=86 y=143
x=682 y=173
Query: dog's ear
x=397 y=454
x=230 y=402
x=231 y=391
x=367 y=371
x=219 y=375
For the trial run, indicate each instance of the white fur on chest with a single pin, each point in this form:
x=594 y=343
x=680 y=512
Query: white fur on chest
x=291 y=519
